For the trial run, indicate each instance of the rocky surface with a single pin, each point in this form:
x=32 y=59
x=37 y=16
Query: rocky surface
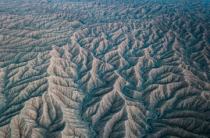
x=102 y=69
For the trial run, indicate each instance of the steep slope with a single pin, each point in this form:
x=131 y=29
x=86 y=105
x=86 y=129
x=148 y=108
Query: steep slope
x=104 y=69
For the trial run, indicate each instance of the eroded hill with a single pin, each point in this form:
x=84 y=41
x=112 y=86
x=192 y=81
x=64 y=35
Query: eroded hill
x=104 y=69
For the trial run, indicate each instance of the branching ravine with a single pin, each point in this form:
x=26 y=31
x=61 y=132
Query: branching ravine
x=101 y=69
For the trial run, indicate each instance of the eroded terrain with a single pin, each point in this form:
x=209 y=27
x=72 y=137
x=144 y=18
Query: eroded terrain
x=104 y=69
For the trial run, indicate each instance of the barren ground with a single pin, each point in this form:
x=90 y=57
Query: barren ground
x=110 y=69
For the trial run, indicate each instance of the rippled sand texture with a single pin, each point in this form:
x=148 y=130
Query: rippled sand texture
x=98 y=70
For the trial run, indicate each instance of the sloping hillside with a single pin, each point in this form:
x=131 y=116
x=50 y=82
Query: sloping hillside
x=99 y=69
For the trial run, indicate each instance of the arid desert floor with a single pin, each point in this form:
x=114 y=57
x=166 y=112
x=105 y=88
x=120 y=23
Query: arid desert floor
x=105 y=69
